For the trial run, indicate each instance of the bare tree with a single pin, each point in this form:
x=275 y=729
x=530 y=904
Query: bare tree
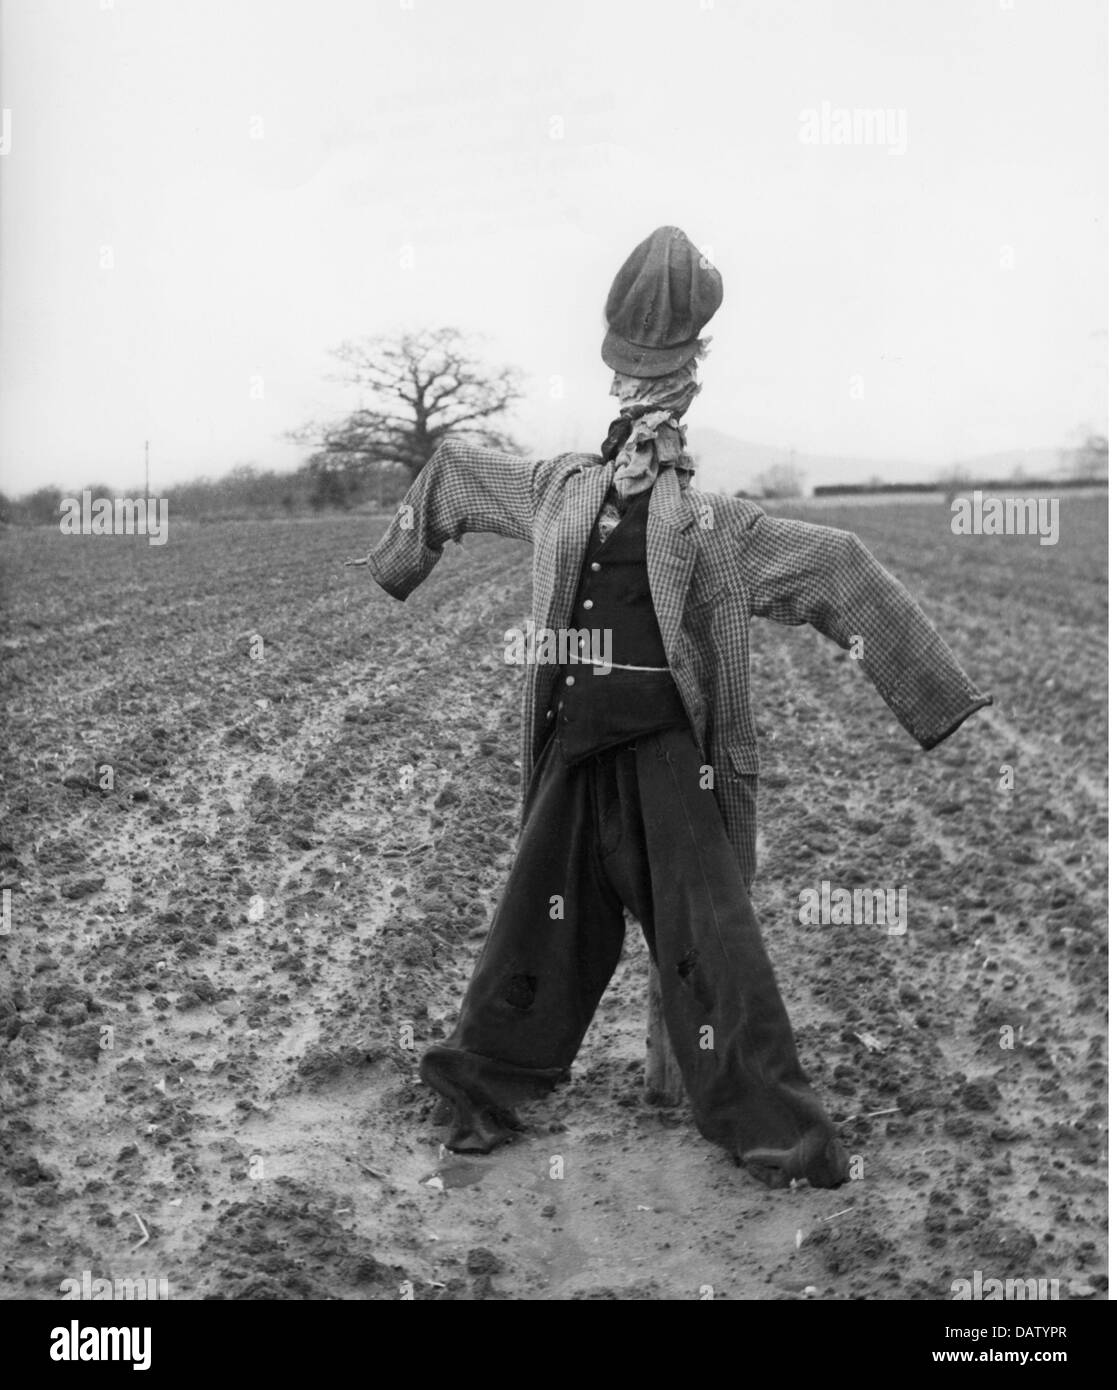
x=1089 y=458
x=423 y=386
x=780 y=479
x=955 y=481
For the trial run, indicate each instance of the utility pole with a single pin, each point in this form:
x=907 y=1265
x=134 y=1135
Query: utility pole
x=147 y=471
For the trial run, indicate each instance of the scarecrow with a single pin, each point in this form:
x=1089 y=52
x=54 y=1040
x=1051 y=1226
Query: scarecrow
x=639 y=771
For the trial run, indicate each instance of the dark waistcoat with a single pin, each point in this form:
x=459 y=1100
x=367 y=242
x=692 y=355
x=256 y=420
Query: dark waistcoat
x=615 y=617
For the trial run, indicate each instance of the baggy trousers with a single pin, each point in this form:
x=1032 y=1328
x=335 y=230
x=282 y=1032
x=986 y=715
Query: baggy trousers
x=632 y=827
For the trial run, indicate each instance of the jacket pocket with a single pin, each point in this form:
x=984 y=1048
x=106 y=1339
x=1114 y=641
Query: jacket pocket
x=703 y=596
x=744 y=758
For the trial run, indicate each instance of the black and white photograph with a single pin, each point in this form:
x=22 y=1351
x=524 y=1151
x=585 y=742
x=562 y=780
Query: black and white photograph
x=554 y=662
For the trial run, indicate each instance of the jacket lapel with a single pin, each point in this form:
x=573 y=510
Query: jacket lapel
x=672 y=551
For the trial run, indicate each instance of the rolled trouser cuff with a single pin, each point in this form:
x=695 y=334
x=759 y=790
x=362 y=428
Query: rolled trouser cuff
x=820 y=1160
x=479 y=1095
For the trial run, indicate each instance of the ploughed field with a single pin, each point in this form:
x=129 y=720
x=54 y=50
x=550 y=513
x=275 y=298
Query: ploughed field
x=224 y=957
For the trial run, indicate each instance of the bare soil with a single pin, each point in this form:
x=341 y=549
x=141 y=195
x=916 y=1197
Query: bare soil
x=224 y=961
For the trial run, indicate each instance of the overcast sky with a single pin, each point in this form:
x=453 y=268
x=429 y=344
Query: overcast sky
x=200 y=197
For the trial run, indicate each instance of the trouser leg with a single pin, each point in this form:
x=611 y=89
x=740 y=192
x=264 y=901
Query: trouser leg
x=552 y=948
x=675 y=868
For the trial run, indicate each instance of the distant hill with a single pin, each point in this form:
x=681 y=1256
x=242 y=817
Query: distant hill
x=726 y=463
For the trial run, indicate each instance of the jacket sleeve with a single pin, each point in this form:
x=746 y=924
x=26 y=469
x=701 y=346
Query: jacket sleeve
x=800 y=573
x=460 y=489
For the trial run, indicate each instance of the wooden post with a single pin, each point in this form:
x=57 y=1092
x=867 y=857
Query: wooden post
x=663 y=1081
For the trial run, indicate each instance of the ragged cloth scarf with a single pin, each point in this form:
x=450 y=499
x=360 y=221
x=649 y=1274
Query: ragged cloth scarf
x=647 y=435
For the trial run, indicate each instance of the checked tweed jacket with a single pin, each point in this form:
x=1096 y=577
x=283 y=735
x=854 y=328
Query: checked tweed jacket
x=714 y=562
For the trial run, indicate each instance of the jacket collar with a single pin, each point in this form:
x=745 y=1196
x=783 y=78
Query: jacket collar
x=670 y=503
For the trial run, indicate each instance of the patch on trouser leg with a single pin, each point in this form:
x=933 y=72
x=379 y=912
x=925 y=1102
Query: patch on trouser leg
x=694 y=979
x=520 y=991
